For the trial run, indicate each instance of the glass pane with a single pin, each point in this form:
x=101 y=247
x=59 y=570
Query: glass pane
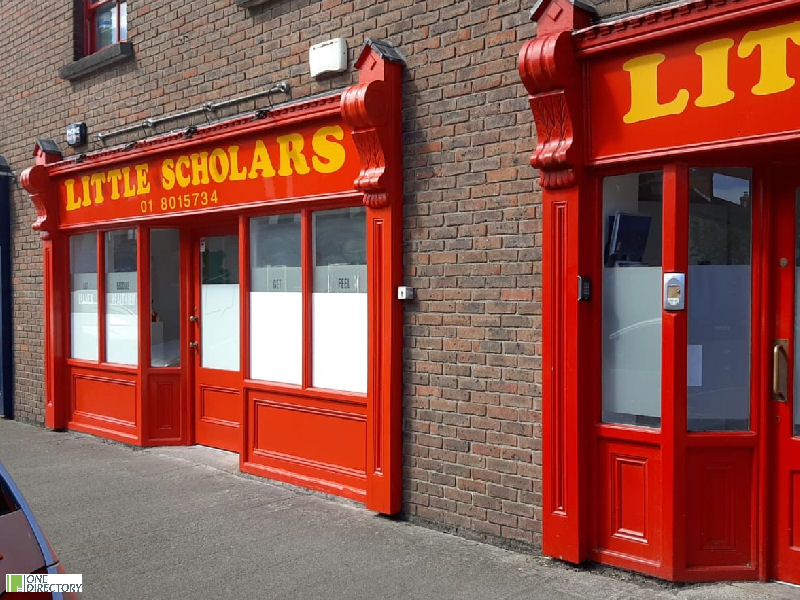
x=718 y=296
x=276 y=300
x=105 y=26
x=122 y=322
x=219 y=304
x=165 y=328
x=123 y=21
x=632 y=282
x=340 y=300
x=83 y=287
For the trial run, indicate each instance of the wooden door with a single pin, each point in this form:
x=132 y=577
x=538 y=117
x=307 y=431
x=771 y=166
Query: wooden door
x=214 y=339
x=784 y=398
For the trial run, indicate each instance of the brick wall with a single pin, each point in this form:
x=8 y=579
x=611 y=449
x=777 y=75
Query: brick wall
x=472 y=225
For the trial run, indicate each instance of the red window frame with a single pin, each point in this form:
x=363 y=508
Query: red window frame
x=91 y=9
x=100 y=263
x=307 y=263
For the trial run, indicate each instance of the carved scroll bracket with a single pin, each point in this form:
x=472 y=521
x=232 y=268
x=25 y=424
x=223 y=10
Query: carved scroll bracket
x=36 y=181
x=548 y=69
x=364 y=109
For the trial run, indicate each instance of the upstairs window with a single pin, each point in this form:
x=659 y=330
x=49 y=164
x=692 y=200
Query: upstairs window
x=106 y=23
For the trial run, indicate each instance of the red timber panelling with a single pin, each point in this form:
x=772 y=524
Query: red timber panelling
x=720 y=507
x=794 y=502
x=630 y=496
x=307 y=441
x=547 y=67
x=104 y=403
x=163 y=406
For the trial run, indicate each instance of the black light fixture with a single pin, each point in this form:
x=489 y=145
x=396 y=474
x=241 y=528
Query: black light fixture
x=76 y=134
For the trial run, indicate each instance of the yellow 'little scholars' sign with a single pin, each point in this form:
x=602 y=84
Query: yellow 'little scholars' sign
x=300 y=163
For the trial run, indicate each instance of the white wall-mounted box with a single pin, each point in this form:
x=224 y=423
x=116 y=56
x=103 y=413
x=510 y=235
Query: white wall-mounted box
x=328 y=57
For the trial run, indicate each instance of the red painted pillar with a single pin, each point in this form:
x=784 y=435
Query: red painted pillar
x=36 y=181
x=548 y=68
x=373 y=108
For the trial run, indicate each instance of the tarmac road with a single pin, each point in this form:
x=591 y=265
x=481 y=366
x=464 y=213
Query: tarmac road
x=172 y=523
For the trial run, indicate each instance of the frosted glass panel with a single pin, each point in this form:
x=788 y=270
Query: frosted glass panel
x=165 y=330
x=632 y=345
x=632 y=283
x=276 y=339
x=83 y=296
x=219 y=302
x=276 y=301
x=719 y=324
x=718 y=295
x=339 y=301
x=122 y=323
x=220 y=321
x=340 y=341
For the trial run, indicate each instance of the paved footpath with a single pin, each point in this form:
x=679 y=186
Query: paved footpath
x=182 y=523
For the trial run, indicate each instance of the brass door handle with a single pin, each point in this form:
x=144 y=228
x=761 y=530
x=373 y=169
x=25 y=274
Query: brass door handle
x=194 y=319
x=780 y=368
x=193 y=345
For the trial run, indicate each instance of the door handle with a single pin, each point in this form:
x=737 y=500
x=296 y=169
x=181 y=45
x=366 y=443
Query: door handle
x=193 y=345
x=194 y=319
x=780 y=369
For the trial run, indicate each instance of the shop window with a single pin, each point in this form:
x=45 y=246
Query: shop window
x=339 y=301
x=122 y=321
x=276 y=299
x=106 y=23
x=165 y=298
x=632 y=287
x=718 y=296
x=219 y=302
x=83 y=304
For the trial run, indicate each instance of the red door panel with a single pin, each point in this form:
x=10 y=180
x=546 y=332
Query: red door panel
x=784 y=435
x=214 y=340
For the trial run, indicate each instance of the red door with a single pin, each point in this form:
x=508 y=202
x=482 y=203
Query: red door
x=214 y=339
x=783 y=412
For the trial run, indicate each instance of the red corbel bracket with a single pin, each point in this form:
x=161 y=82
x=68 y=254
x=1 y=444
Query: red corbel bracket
x=547 y=68
x=364 y=109
x=37 y=182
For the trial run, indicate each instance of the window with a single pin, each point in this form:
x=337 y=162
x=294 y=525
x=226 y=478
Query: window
x=107 y=304
x=276 y=299
x=718 y=296
x=632 y=208
x=83 y=278
x=340 y=300
x=317 y=315
x=122 y=311
x=106 y=23
x=165 y=295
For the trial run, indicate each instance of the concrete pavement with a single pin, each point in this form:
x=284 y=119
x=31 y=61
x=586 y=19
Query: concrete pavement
x=182 y=522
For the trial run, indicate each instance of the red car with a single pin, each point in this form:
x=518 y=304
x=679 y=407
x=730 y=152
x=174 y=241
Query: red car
x=23 y=546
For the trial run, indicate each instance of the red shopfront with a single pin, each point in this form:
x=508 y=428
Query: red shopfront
x=669 y=148
x=233 y=286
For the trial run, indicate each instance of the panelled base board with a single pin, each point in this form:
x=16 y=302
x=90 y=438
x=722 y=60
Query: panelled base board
x=164 y=408
x=630 y=511
x=104 y=404
x=306 y=444
x=720 y=507
x=218 y=418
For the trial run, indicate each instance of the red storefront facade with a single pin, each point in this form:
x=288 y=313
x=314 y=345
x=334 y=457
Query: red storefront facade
x=234 y=285
x=667 y=144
